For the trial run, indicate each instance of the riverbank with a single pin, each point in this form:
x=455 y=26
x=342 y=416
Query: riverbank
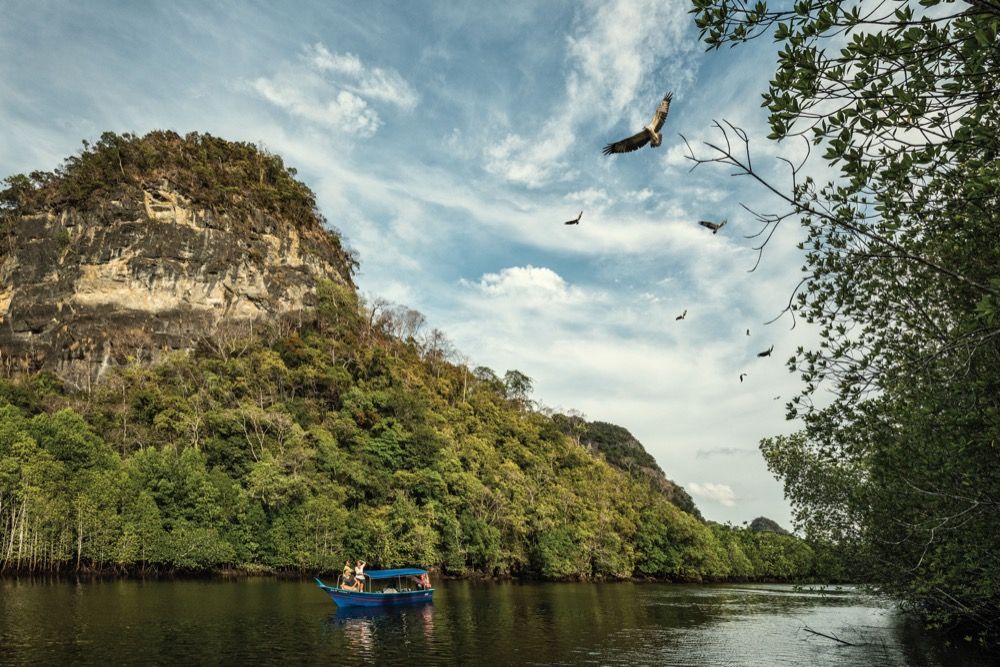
x=263 y=572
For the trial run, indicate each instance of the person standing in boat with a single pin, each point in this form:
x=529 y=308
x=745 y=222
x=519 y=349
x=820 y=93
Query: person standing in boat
x=359 y=574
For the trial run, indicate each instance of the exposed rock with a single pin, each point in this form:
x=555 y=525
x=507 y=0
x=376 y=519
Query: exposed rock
x=80 y=290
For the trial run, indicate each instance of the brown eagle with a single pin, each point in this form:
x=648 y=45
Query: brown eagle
x=649 y=133
x=714 y=226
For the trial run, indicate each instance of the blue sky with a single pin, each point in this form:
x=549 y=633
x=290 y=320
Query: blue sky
x=448 y=142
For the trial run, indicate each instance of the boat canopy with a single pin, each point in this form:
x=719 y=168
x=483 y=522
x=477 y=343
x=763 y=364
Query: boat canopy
x=389 y=574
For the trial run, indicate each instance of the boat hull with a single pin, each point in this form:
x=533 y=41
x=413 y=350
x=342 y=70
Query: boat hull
x=344 y=598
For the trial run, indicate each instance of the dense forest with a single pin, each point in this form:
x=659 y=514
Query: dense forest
x=901 y=279
x=338 y=440
x=348 y=433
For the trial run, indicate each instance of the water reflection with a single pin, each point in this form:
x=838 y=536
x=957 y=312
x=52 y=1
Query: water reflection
x=427 y=619
x=263 y=621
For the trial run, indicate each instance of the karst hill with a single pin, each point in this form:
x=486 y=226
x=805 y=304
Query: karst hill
x=190 y=381
x=143 y=245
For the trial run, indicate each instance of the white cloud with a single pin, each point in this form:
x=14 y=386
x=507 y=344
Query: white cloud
x=530 y=162
x=386 y=85
x=528 y=285
x=639 y=196
x=677 y=156
x=335 y=90
x=709 y=452
x=307 y=98
x=591 y=197
x=719 y=493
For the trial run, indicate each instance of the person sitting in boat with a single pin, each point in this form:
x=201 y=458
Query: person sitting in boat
x=359 y=574
x=423 y=581
x=348 y=581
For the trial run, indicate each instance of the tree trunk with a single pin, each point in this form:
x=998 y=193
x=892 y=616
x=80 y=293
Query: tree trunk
x=79 y=539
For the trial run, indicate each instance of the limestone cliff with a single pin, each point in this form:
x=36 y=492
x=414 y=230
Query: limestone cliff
x=100 y=264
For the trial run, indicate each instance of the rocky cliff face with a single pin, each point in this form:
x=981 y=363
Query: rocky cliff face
x=149 y=273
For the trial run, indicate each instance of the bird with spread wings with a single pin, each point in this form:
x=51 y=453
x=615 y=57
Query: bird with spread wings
x=650 y=133
x=714 y=226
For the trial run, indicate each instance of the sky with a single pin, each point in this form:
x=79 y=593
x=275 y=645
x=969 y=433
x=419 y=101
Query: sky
x=448 y=142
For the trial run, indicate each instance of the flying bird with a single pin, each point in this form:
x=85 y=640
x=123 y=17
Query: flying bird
x=748 y=332
x=574 y=221
x=714 y=226
x=743 y=375
x=650 y=133
x=682 y=315
x=777 y=398
x=766 y=353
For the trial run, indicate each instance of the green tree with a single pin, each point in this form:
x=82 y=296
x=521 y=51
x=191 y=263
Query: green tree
x=518 y=386
x=901 y=278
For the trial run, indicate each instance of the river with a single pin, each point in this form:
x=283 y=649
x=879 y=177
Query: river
x=268 y=621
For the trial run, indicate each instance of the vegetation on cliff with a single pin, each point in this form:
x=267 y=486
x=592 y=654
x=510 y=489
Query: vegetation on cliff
x=351 y=436
x=623 y=451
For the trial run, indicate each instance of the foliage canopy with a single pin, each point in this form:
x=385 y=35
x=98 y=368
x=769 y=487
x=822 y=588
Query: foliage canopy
x=902 y=277
x=295 y=451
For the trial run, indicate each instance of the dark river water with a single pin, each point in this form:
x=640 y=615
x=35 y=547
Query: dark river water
x=267 y=621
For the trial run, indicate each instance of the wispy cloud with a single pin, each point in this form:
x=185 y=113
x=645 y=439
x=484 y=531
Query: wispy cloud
x=310 y=99
x=531 y=162
x=718 y=493
x=596 y=197
x=335 y=90
x=724 y=451
x=386 y=85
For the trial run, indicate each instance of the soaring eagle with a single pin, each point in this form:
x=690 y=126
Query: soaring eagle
x=766 y=353
x=574 y=221
x=714 y=226
x=682 y=315
x=649 y=133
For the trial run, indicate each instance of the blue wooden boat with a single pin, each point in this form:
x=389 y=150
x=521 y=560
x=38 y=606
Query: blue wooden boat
x=405 y=590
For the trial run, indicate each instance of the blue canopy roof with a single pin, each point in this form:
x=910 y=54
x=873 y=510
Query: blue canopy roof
x=388 y=574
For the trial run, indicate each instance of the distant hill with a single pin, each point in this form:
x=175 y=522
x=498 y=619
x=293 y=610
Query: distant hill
x=622 y=450
x=763 y=524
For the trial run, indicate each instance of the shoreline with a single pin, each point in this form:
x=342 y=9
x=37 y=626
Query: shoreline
x=228 y=574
